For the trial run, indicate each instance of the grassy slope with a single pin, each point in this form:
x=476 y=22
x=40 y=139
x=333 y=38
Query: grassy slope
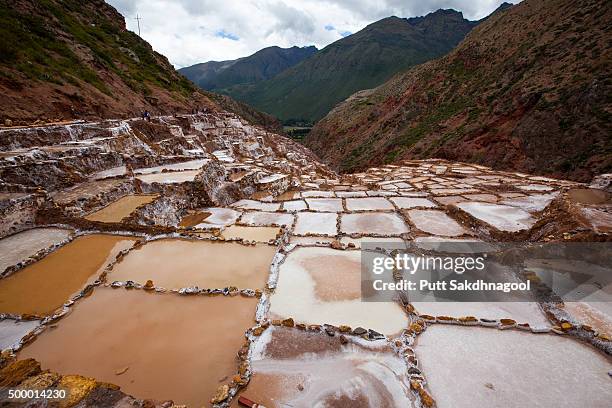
x=69 y=58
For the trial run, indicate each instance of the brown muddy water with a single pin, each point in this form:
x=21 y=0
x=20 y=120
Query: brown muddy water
x=118 y=210
x=46 y=285
x=589 y=196
x=178 y=263
x=159 y=346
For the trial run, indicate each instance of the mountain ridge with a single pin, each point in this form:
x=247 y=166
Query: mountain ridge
x=525 y=90
x=261 y=65
x=309 y=89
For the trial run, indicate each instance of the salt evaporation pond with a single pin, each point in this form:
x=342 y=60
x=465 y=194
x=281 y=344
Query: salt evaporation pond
x=122 y=208
x=210 y=218
x=179 y=263
x=169 y=177
x=502 y=217
x=373 y=224
x=257 y=234
x=470 y=367
x=12 y=331
x=325 y=204
x=368 y=204
x=316 y=223
x=46 y=285
x=589 y=196
x=412 y=202
x=436 y=222
x=323 y=285
x=293 y=368
x=186 y=165
x=19 y=247
x=159 y=346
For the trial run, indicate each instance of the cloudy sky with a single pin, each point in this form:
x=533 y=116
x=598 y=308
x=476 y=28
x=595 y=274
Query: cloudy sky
x=192 y=31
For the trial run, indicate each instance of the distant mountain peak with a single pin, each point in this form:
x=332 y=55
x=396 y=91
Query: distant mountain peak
x=261 y=65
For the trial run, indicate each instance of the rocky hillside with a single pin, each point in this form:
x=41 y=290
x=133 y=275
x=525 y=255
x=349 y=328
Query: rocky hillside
x=363 y=60
x=529 y=90
x=264 y=64
x=64 y=59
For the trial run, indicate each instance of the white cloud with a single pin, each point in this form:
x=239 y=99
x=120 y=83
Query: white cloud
x=192 y=31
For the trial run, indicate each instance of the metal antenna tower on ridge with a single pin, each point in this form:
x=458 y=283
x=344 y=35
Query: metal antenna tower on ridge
x=138 y=21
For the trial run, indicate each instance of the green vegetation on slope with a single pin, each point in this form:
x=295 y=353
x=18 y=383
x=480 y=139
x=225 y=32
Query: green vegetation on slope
x=307 y=91
x=33 y=45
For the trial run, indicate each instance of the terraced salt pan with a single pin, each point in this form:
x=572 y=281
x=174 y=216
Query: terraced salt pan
x=502 y=217
x=316 y=224
x=159 y=346
x=351 y=194
x=122 y=208
x=599 y=220
x=589 y=196
x=263 y=195
x=288 y=195
x=535 y=187
x=179 y=263
x=373 y=224
x=322 y=285
x=262 y=218
x=453 y=245
x=309 y=241
x=85 y=190
x=325 y=204
x=186 y=165
x=436 y=222
x=487 y=198
x=113 y=172
x=368 y=204
x=554 y=371
x=385 y=242
x=170 y=177
x=12 y=331
x=412 y=202
x=294 y=205
x=19 y=247
x=44 y=286
x=219 y=217
x=532 y=203
x=450 y=200
x=256 y=205
x=301 y=369
x=317 y=193
x=258 y=234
